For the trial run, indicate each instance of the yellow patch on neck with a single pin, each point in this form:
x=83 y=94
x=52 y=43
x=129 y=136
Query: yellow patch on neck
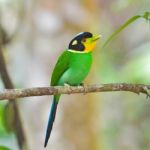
x=89 y=46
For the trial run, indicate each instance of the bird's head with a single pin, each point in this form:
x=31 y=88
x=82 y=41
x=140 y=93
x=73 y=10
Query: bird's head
x=83 y=42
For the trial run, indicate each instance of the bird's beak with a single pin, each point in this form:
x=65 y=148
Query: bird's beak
x=96 y=37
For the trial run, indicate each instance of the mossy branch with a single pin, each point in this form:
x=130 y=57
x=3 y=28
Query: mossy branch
x=12 y=94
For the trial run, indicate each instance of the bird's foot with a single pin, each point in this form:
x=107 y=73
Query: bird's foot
x=83 y=85
x=68 y=87
x=147 y=92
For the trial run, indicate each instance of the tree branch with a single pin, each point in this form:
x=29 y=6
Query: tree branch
x=14 y=122
x=40 y=91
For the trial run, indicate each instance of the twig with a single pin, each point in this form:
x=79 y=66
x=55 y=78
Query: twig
x=40 y=91
x=3 y=71
x=12 y=106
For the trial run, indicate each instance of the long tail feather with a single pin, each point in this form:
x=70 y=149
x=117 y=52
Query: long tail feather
x=51 y=119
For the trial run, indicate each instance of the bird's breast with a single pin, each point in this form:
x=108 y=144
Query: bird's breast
x=79 y=67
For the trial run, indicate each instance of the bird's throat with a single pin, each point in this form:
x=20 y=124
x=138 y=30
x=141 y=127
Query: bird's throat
x=90 y=47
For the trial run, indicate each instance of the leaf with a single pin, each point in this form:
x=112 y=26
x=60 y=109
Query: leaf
x=4 y=148
x=146 y=16
x=2 y=119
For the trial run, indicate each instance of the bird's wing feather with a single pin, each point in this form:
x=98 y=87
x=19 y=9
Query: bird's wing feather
x=61 y=66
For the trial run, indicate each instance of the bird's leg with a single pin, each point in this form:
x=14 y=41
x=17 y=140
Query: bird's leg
x=147 y=92
x=83 y=85
x=68 y=87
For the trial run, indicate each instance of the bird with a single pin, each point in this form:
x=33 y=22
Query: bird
x=71 y=69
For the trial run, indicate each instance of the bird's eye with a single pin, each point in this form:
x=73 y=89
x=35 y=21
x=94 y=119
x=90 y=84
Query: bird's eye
x=84 y=40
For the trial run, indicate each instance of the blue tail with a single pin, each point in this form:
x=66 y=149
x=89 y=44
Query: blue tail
x=51 y=119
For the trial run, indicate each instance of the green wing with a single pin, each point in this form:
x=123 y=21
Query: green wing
x=60 y=67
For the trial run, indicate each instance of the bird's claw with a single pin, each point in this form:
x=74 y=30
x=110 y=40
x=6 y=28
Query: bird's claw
x=147 y=92
x=83 y=85
x=68 y=87
x=147 y=95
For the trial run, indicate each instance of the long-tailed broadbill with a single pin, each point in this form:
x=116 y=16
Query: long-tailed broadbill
x=72 y=67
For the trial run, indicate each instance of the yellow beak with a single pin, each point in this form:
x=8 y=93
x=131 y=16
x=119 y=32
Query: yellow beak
x=96 y=37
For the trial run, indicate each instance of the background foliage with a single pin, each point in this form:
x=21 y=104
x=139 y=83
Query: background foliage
x=41 y=30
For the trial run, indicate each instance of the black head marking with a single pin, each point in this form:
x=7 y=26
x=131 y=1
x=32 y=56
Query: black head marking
x=76 y=42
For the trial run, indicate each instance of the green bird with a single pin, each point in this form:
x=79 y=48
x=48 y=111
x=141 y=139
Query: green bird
x=71 y=68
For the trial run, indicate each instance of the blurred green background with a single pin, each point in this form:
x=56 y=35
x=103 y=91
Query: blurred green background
x=41 y=30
